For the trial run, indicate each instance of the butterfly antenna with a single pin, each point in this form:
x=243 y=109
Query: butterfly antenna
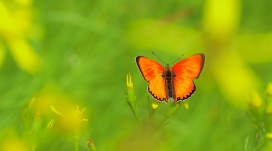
x=158 y=57
x=177 y=59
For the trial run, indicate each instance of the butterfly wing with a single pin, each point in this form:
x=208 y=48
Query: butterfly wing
x=152 y=73
x=185 y=71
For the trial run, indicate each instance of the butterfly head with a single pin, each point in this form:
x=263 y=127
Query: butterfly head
x=167 y=66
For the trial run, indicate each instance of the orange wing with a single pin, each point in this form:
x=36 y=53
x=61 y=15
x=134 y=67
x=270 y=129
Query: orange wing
x=186 y=70
x=152 y=73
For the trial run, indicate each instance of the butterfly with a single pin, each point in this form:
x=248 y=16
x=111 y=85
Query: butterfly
x=171 y=82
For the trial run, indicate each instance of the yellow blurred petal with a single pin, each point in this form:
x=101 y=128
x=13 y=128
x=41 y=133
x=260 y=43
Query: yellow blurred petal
x=5 y=19
x=221 y=17
x=256 y=100
x=24 y=55
x=22 y=19
x=155 y=104
x=55 y=110
x=4 y=12
x=268 y=135
x=236 y=80
x=50 y=124
x=24 y=2
x=49 y=96
x=17 y=22
x=9 y=26
x=255 y=48
x=13 y=144
x=164 y=36
x=2 y=54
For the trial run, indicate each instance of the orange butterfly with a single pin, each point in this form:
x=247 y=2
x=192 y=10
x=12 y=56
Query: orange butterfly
x=176 y=82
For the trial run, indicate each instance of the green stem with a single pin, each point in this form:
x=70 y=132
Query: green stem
x=163 y=121
x=152 y=108
x=135 y=115
x=76 y=144
x=151 y=114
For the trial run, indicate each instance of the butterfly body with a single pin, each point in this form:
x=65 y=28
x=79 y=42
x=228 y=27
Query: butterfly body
x=168 y=75
x=171 y=82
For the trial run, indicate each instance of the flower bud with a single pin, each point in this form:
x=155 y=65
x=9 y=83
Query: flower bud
x=91 y=145
x=186 y=105
x=130 y=96
x=130 y=90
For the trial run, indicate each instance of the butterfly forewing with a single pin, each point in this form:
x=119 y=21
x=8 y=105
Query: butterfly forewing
x=186 y=70
x=190 y=67
x=152 y=73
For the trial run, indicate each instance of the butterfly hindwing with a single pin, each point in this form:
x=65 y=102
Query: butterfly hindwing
x=152 y=73
x=156 y=87
x=184 y=87
x=185 y=71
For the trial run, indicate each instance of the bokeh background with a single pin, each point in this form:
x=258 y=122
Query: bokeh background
x=64 y=54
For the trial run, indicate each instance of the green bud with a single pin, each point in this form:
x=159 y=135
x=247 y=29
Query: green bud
x=186 y=105
x=91 y=145
x=155 y=104
x=130 y=96
x=130 y=90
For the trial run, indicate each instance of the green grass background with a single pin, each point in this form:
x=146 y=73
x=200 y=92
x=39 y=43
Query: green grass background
x=87 y=51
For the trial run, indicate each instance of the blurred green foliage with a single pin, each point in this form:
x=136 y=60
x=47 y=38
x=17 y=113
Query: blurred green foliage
x=73 y=56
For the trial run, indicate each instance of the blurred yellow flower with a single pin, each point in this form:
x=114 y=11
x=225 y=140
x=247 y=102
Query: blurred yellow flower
x=221 y=18
x=235 y=78
x=14 y=144
x=15 y=27
x=70 y=121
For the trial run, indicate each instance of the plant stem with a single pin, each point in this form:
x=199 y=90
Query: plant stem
x=163 y=121
x=76 y=144
x=135 y=115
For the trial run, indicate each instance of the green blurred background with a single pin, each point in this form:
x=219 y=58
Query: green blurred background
x=69 y=53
